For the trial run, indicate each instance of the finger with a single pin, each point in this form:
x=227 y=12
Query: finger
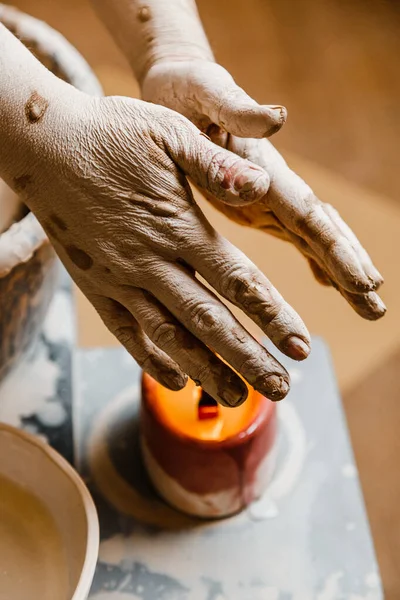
x=369 y=268
x=228 y=105
x=129 y=333
x=301 y=212
x=305 y=216
x=257 y=215
x=369 y=306
x=207 y=370
x=200 y=311
x=238 y=280
x=228 y=177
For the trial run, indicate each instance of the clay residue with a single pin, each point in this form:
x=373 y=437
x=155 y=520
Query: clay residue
x=79 y=257
x=58 y=222
x=144 y=14
x=21 y=182
x=228 y=178
x=35 y=108
x=51 y=232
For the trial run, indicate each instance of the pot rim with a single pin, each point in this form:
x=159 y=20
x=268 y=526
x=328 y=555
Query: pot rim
x=19 y=243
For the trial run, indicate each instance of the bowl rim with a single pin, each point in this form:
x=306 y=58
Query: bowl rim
x=26 y=234
x=93 y=530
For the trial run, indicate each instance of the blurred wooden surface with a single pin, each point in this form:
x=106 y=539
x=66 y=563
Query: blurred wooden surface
x=335 y=66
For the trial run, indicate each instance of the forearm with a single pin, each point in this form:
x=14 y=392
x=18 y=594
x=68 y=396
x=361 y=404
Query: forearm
x=151 y=31
x=29 y=103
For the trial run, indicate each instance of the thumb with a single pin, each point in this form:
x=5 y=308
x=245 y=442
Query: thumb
x=228 y=105
x=230 y=178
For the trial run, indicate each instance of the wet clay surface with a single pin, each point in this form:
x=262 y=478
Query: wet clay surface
x=31 y=552
x=35 y=108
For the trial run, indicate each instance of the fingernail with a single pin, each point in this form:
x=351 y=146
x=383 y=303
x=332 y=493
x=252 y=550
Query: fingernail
x=279 y=115
x=296 y=348
x=380 y=305
x=233 y=397
x=274 y=387
x=377 y=277
x=278 y=112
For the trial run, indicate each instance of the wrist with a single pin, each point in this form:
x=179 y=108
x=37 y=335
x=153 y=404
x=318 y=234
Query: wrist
x=162 y=54
x=33 y=105
x=33 y=120
x=156 y=32
x=168 y=78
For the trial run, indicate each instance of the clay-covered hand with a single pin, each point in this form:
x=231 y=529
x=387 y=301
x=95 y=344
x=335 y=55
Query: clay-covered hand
x=205 y=93
x=109 y=186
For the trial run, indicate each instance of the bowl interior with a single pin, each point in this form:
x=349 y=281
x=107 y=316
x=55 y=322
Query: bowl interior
x=48 y=523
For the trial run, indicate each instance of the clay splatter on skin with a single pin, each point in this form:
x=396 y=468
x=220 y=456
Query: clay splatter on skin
x=20 y=183
x=58 y=222
x=79 y=257
x=35 y=108
x=144 y=14
x=52 y=232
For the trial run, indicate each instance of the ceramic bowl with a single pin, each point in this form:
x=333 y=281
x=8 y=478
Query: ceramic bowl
x=49 y=532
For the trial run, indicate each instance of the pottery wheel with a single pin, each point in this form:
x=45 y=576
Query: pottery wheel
x=307 y=539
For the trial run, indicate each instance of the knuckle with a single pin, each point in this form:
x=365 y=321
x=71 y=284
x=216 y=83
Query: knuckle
x=238 y=284
x=246 y=290
x=252 y=367
x=206 y=317
x=304 y=219
x=276 y=317
x=331 y=243
x=146 y=362
x=219 y=169
x=164 y=334
x=124 y=335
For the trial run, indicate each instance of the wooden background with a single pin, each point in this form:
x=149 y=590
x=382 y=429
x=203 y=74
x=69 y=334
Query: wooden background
x=335 y=65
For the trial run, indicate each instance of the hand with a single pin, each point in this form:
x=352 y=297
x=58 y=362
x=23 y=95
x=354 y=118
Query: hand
x=205 y=93
x=109 y=187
